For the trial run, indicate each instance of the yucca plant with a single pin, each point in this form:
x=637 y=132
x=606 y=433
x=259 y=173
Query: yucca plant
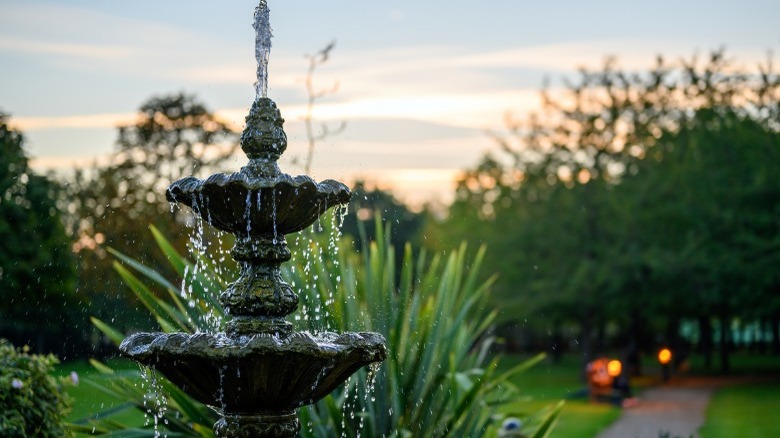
x=438 y=380
x=440 y=377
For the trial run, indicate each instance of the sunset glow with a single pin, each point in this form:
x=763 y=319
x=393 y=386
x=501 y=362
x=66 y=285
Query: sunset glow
x=418 y=94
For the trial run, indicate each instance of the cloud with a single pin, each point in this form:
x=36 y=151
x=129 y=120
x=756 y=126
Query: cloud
x=427 y=83
x=76 y=25
x=46 y=47
x=67 y=163
x=631 y=54
x=477 y=110
x=75 y=122
x=144 y=48
x=135 y=48
x=423 y=70
x=396 y=15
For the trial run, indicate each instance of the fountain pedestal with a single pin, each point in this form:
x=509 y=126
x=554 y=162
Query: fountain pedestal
x=248 y=426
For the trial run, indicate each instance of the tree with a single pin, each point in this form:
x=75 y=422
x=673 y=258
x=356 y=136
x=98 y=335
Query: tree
x=113 y=205
x=316 y=60
x=37 y=268
x=175 y=136
x=567 y=241
x=711 y=193
x=366 y=204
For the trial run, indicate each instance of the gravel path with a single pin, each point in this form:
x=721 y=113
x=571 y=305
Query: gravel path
x=676 y=410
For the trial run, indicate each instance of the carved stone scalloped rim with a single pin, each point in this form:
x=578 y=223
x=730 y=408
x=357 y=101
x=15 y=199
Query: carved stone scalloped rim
x=258 y=373
x=185 y=188
x=142 y=345
x=221 y=200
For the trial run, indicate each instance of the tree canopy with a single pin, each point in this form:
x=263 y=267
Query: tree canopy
x=113 y=205
x=37 y=268
x=633 y=198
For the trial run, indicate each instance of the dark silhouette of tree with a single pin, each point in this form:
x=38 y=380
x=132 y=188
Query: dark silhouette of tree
x=113 y=205
x=369 y=203
x=37 y=268
x=313 y=96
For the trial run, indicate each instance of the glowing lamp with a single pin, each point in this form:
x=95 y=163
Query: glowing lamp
x=614 y=367
x=664 y=356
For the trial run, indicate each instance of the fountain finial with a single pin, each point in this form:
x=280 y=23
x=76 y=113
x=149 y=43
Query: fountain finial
x=263 y=137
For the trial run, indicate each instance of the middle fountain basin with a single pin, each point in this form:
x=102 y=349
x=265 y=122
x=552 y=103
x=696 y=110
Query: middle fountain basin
x=259 y=372
x=243 y=204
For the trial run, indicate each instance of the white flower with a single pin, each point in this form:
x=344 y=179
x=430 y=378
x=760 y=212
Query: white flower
x=511 y=427
x=16 y=383
x=74 y=377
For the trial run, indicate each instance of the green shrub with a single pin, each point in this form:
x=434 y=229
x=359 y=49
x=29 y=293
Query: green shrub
x=32 y=403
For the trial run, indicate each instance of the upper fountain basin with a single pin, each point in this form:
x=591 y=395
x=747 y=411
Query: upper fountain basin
x=244 y=204
x=256 y=373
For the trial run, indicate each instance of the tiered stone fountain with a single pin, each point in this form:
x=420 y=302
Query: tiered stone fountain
x=259 y=371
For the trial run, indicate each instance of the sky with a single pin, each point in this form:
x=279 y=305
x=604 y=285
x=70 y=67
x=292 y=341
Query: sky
x=421 y=83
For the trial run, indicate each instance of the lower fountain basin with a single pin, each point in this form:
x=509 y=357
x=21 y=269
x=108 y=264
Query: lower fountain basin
x=256 y=373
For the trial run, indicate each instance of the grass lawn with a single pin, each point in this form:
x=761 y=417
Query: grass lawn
x=744 y=411
x=88 y=400
x=742 y=363
x=547 y=383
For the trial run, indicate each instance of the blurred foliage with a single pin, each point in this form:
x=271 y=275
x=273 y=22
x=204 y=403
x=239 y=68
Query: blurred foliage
x=438 y=380
x=708 y=203
x=369 y=203
x=112 y=204
x=632 y=199
x=32 y=403
x=37 y=268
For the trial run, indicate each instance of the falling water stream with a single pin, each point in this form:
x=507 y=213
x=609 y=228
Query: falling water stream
x=155 y=402
x=208 y=257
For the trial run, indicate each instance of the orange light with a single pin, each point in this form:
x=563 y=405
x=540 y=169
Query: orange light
x=664 y=356
x=614 y=367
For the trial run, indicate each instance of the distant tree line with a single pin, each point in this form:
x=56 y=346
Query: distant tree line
x=635 y=201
